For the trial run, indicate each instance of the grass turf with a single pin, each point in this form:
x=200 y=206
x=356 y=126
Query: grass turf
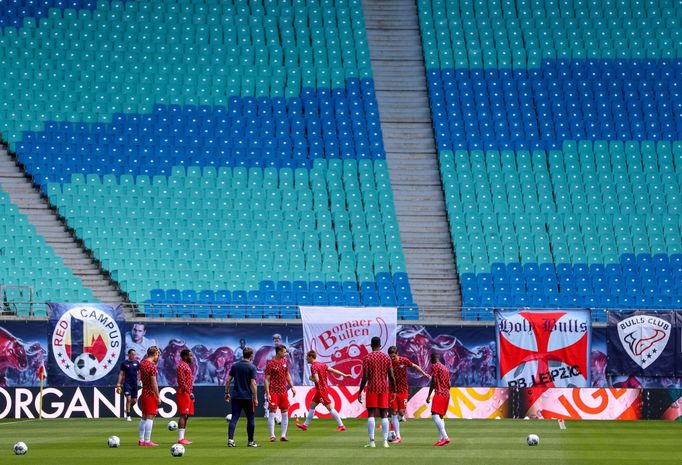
x=81 y=441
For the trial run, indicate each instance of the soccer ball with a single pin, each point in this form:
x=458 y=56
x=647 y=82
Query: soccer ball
x=228 y=417
x=392 y=436
x=177 y=450
x=172 y=426
x=533 y=440
x=113 y=441
x=20 y=448
x=86 y=366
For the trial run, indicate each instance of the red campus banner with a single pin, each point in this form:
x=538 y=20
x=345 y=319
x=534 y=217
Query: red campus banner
x=543 y=348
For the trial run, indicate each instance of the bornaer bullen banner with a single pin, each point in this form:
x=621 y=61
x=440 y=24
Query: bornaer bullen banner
x=341 y=337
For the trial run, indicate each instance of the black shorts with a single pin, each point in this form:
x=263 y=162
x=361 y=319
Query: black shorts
x=130 y=390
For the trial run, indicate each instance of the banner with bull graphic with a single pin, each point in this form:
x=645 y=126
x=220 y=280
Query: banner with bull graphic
x=543 y=348
x=341 y=337
x=215 y=348
x=23 y=351
x=86 y=343
x=641 y=344
x=467 y=352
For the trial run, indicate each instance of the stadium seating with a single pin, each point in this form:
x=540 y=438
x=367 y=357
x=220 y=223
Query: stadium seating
x=26 y=261
x=560 y=145
x=203 y=150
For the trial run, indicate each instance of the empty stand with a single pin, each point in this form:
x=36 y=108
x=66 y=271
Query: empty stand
x=559 y=150
x=247 y=150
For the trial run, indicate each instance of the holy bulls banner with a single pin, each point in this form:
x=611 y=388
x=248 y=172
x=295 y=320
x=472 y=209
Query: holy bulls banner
x=86 y=343
x=641 y=344
x=341 y=337
x=543 y=348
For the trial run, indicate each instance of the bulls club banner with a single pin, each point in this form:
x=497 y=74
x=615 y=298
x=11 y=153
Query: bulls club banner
x=641 y=344
x=86 y=343
x=341 y=337
x=543 y=348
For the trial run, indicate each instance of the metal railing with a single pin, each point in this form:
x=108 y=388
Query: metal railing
x=15 y=298
x=191 y=311
x=238 y=312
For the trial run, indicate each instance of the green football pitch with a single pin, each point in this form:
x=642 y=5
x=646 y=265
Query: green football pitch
x=81 y=441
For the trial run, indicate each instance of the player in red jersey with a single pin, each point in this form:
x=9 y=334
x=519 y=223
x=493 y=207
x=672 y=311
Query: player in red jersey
x=150 y=398
x=318 y=375
x=440 y=382
x=276 y=378
x=377 y=374
x=184 y=394
x=399 y=404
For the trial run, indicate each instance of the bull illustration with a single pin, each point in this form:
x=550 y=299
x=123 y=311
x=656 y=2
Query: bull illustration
x=598 y=369
x=170 y=357
x=201 y=354
x=294 y=356
x=466 y=366
x=12 y=355
x=36 y=355
x=218 y=365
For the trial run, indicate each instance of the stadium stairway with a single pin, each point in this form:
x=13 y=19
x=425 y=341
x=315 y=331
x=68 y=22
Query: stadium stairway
x=47 y=224
x=400 y=82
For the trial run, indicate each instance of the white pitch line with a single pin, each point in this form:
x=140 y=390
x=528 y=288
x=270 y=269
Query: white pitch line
x=2 y=423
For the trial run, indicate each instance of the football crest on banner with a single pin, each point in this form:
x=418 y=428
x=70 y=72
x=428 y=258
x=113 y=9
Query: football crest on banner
x=644 y=338
x=86 y=343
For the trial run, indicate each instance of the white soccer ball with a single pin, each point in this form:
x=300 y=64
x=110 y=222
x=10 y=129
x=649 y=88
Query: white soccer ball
x=392 y=436
x=228 y=417
x=20 y=448
x=86 y=366
x=526 y=418
x=177 y=450
x=113 y=441
x=172 y=426
x=533 y=440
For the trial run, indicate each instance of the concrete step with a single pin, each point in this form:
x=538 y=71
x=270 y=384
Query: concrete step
x=400 y=81
x=38 y=212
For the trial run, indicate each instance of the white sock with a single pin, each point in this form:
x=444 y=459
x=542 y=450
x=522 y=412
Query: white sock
x=440 y=424
x=370 y=428
x=148 y=430
x=309 y=418
x=396 y=425
x=181 y=433
x=271 y=423
x=285 y=423
x=336 y=417
x=384 y=428
x=143 y=424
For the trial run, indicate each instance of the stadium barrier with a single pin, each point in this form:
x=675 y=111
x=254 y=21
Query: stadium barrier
x=81 y=345
x=465 y=403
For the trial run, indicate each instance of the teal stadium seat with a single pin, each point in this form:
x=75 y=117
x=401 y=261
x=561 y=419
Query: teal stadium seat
x=30 y=272
x=247 y=149
x=547 y=154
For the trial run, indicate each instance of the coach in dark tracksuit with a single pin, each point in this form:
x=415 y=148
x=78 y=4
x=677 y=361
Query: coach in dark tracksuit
x=244 y=396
